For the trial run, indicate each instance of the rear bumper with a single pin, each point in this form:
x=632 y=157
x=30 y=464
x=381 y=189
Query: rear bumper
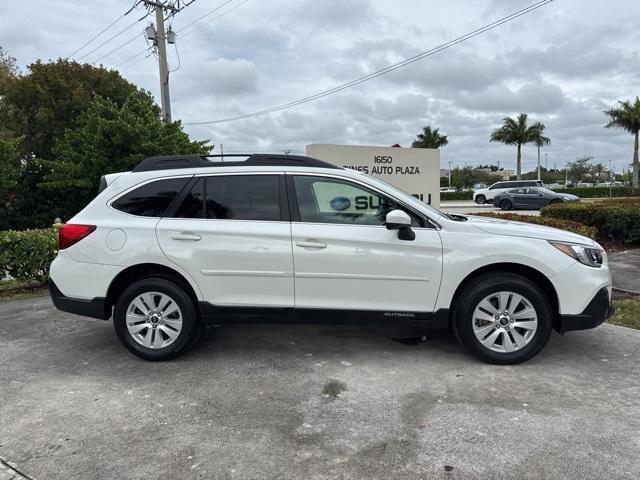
x=94 y=307
x=595 y=313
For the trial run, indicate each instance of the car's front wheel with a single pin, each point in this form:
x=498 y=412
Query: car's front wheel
x=155 y=319
x=503 y=318
x=481 y=199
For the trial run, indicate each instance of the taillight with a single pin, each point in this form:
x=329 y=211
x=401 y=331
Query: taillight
x=71 y=234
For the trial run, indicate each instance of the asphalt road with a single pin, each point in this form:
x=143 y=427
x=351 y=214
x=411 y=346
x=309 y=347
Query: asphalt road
x=247 y=403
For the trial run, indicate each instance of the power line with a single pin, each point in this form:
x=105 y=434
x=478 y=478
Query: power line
x=113 y=37
x=141 y=52
x=135 y=37
x=211 y=19
x=206 y=14
x=148 y=52
x=385 y=70
x=103 y=30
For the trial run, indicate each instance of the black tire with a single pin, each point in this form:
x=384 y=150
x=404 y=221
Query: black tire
x=555 y=201
x=483 y=286
x=506 y=204
x=191 y=327
x=481 y=199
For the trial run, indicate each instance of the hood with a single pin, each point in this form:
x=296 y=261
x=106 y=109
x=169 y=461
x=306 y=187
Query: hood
x=496 y=226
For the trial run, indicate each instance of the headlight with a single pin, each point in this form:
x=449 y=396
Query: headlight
x=590 y=256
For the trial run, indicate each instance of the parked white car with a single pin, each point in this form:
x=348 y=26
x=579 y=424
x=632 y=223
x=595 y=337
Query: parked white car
x=183 y=242
x=486 y=195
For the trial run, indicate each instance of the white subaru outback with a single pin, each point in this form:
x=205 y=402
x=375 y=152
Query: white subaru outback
x=183 y=242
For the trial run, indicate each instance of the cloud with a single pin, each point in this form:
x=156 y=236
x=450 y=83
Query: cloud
x=562 y=64
x=222 y=78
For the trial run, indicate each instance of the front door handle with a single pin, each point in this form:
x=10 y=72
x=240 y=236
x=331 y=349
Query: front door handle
x=311 y=244
x=186 y=236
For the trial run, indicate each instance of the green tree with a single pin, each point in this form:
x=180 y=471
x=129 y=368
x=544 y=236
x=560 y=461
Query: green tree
x=430 y=138
x=8 y=68
x=518 y=132
x=9 y=174
x=109 y=138
x=627 y=118
x=577 y=171
x=42 y=103
x=467 y=177
x=598 y=171
x=8 y=71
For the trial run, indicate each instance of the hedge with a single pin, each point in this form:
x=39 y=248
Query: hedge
x=596 y=192
x=456 y=195
x=616 y=220
x=26 y=255
x=569 y=225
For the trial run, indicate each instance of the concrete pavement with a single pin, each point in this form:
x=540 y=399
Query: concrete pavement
x=625 y=268
x=247 y=403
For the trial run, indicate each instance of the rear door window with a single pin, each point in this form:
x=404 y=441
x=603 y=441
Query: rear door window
x=233 y=197
x=151 y=199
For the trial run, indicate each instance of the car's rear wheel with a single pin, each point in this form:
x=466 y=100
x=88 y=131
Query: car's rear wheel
x=481 y=199
x=155 y=319
x=503 y=318
x=506 y=205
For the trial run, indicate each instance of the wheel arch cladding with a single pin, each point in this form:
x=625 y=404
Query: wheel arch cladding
x=529 y=273
x=145 y=270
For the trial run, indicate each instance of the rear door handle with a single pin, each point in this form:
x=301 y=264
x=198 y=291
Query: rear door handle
x=186 y=236
x=311 y=244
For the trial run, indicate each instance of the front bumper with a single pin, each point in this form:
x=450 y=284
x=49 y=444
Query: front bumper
x=596 y=312
x=95 y=307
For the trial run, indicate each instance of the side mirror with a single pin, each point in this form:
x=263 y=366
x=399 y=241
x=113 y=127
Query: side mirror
x=399 y=220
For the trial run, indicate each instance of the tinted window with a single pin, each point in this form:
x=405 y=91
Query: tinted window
x=233 y=197
x=517 y=190
x=152 y=199
x=496 y=186
x=326 y=200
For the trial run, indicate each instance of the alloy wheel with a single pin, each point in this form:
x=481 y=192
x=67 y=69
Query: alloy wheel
x=505 y=322
x=154 y=320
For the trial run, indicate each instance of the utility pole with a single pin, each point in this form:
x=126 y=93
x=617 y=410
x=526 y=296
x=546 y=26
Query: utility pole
x=449 y=173
x=546 y=161
x=610 y=178
x=160 y=39
x=161 y=36
x=538 y=162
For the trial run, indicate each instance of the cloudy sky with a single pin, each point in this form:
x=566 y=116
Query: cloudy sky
x=562 y=64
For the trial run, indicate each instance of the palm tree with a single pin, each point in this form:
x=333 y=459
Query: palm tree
x=430 y=139
x=627 y=117
x=518 y=132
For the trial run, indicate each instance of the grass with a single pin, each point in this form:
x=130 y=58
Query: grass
x=627 y=313
x=11 y=290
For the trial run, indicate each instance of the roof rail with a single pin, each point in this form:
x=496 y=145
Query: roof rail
x=170 y=162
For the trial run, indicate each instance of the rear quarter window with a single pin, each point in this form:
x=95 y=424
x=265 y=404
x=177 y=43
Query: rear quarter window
x=151 y=199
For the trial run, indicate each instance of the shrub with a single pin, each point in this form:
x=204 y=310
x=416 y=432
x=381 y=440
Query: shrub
x=456 y=196
x=569 y=225
x=596 y=192
x=26 y=255
x=616 y=220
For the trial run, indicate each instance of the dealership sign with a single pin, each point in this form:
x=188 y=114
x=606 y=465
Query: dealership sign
x=413 y=170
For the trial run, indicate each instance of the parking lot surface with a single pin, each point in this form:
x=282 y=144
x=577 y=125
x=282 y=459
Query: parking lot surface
x=311 y=402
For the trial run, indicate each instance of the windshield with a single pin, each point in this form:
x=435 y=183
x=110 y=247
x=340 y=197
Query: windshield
x=546 y=190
